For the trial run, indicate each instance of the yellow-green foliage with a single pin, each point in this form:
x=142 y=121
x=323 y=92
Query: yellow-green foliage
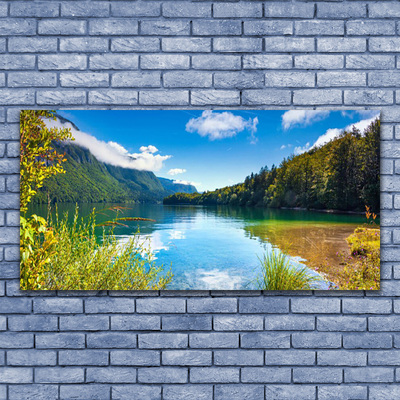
x=79 y=261
x=278 y=274
x=363 y=270
x=39 y=160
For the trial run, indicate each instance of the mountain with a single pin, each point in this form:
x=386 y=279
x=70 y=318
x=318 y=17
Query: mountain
x=88 y=180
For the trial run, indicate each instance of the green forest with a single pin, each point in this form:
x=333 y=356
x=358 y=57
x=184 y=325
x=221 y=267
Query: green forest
x=340 y=175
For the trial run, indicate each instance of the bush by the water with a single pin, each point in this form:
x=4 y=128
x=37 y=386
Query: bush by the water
x=277 y=273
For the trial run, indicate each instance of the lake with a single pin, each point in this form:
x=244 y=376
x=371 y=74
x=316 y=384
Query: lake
x=218 y=247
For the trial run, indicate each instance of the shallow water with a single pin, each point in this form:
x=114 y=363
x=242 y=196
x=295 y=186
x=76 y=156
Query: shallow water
x=218 y=247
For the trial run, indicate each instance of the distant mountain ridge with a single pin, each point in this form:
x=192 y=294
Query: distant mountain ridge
x=88 y=180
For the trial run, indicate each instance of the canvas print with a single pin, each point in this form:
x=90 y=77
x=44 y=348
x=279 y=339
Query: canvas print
x=200 y=200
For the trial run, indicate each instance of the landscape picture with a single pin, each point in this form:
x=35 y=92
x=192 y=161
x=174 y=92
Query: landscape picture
x=200 y=200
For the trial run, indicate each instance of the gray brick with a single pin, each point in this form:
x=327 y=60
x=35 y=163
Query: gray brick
x=83 y=79
x=237 y=10
x=238 y=357
x=216 y=62
x=290 y=357
x=214 y=375
x=387 y=44
x=33 y=392
x=186 y=357
x=181 y=9
x=136 y=392
x=109 y=305
x=382 y=392
x=19 y=26
x=342 y=358
x=3 y=9
x=36 y=9
x=11 y=253
x=163 y=340
x=319 y=61
x=176 y=97
x=288 y=10
x=384 y=357
x=16 y=375
x=62 y=61
x=165 y=28
x=84 y=323
x=32 y=45
x=345 y=392
x=179 y=392
x=32 y=79
x=32 y=323
x=110 y=375
x=15 y=306
x=98 y=392
x=242 y=392
x=241 y=323
x=323 y=97
x=319 y=340
x=316 y=27
x=113 y=61
x=265 y=340
x=187 y=323
x=215 y=97
x=214 y=340
x=31 y=357
x=268 y=27
x=289 y=392
x=341 y=45
x=217 y=27
x=273 y=97
x=135 y=44
x=326 y=306
x=367 y=341
x=138 y=9
x=386 y=323
x=135 y=357
x=342 y=78
x=367 y=306
x=83 y=357
x=289 y=323
x=384 y=10
x=64 y=97
x=187 y=79
x=16 y=340
x=368 y=374
x=212 y=305
x=8 y=166
x=59 y=375
x=89 y=45
x=109 y=96
x=162 y=375
x=373 y=28
x=237 y=45
x=61 y=27
x=111 y=340
x=289 y=45
x=17 y=61
x=370 y=61
x=194 y=45
x=112 y=26
x=85 y=9
x=339 y=11
x=341 y=323
x=384 y=78
x=317 y=375
x=135 y=322
x=164 y=61
x=10 y=131
x=368 y=97
x=262 y=375
x=264 y=305
x=289 y=79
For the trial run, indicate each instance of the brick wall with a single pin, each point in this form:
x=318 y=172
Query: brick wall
x=199 y=345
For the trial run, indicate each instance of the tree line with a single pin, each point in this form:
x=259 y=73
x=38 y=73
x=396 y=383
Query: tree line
x=343 y=174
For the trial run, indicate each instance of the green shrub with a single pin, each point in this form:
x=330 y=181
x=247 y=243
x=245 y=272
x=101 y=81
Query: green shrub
x=278 y=274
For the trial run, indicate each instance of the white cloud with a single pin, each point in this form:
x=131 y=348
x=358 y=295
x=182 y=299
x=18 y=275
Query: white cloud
x=283 y=147
x=222 y=125
x=302 y=117
x=113 y=153
x=176 y=171
x=186 y=182
x=333 y=133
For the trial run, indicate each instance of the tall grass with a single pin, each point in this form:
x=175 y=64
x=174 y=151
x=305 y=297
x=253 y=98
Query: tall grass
x=277 y=273
x=78 y=260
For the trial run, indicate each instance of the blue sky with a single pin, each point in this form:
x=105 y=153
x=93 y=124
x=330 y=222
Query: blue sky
x=211 y=149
